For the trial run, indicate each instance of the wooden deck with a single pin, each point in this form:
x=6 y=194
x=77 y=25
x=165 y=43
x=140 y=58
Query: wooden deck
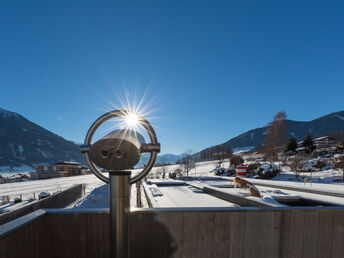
x=190 y=232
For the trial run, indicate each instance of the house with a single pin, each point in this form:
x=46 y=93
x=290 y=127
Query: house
x=324 y=142
x=60 y=169
x=321 y=142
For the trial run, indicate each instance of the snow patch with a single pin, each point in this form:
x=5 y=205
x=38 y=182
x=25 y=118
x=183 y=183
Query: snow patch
x=21 y=148
x=155 y=190
x=240 y=150
x=5 y=114
x=45 y=154
x=340 y=117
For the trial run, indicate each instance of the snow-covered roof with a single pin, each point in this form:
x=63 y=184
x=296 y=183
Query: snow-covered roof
x=324 y=138
x=301 y=148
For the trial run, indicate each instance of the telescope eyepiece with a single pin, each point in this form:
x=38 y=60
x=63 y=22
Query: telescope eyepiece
x=105 y=154
x=119 y=154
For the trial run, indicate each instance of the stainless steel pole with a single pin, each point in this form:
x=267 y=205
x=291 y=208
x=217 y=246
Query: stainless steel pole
x=119 y=213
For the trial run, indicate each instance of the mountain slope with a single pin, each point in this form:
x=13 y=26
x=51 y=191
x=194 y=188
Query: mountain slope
x=161 y=159
x=25 y=143
x=318 y=127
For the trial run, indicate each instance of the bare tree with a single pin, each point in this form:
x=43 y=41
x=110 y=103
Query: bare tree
x=340 y=165
x=296 y=165
x=221 y=153
x=187 y=162
x=163 y=168
x=276 y=135
x=203 y=155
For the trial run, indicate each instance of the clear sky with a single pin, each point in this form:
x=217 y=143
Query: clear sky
x=211 y=69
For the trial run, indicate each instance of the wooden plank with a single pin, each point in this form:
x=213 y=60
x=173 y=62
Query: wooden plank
x=221 y=236
x=296 y=233
x=150 y=237
x=206 y=234
x=140 y=242
x=44 y=231
x=252 y=229
x=237 y=234
x=95 y=237
x=175 y=222
x=338 y=235
x=325 y=233
x=79 y=229
x=310 y=234
x=281 y=235
x=21 y=236
x=163 y=239
x=59 y=237
x=266 y=234
x=191 y=223
x=33 y=234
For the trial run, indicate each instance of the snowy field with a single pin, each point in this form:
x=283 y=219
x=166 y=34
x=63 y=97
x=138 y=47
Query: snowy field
x=97 y=192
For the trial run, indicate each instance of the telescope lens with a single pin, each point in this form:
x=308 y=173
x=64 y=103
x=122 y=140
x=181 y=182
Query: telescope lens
x=105 y=154
x=119 y=154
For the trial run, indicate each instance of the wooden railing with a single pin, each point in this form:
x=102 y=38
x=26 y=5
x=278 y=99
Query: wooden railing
x=175 y=232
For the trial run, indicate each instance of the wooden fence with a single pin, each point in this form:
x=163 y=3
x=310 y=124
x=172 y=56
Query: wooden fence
x=57 y=200
x=190 y=232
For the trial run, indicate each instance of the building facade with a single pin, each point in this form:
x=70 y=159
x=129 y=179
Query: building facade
x=324 y=142
x=60 y=169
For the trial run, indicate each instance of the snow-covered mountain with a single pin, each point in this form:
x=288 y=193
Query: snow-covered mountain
x=162 y=159
x=318 y=127
x=26 y=144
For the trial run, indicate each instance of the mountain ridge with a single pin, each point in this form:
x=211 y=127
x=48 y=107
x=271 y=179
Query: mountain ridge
x=318 y=127
x=24 y=143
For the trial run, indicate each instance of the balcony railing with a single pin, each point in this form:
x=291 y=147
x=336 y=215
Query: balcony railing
x=176 y=232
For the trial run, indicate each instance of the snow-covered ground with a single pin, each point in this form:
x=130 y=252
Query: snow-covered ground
x=96 y=191
x=186 y=196
x=28 y=188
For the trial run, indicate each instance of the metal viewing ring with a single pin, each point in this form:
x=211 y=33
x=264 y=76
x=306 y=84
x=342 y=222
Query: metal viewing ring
x=152 y=148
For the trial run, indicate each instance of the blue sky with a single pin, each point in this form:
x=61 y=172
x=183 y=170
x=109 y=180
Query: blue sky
x=213 y=69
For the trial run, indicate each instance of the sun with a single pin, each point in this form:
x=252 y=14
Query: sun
x=132 y=120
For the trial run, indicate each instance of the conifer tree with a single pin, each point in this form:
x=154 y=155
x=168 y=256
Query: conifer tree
x=291 y=144
x=308 y=142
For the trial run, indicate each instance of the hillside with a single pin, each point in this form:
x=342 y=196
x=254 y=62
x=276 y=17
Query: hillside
x=162 y=159
x=321 y=126
x=24 y=143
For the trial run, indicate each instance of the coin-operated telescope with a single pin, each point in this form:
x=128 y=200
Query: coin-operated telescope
x=117 y=153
